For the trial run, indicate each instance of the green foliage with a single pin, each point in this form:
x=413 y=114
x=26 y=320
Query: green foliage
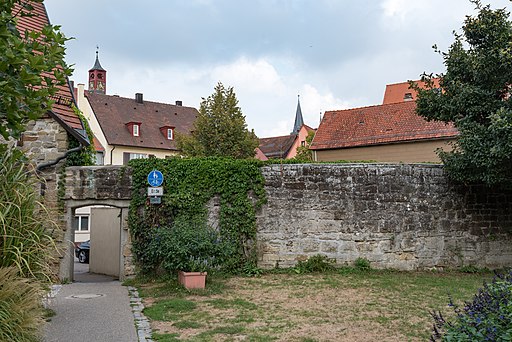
x=26 y=61
x=174 y=233
x=316 y=263
x=220 y=129
x=473 y=269
x=190 y=246
x=251 y=269
x=168 y=310
x=303 y=152
x=87 y=155
x=21 y=311
x=24 y=222
x=475 y=97
x=487 y=318
x=362 y=264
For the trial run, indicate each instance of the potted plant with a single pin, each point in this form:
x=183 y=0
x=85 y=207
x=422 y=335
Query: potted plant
x=191 y=248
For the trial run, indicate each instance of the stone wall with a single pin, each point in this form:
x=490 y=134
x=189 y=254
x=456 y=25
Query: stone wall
x=44 y=140
x=397 y=216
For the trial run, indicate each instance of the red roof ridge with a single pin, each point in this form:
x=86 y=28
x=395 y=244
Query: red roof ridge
x=373 y=106
x=397 y=83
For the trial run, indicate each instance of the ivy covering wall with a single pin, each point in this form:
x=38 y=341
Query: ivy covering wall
x=189 y=184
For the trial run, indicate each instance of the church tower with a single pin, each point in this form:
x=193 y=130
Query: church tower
x=97 y=78
x=299 y=121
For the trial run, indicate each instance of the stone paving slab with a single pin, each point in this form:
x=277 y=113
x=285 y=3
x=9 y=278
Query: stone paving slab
x=96 y=308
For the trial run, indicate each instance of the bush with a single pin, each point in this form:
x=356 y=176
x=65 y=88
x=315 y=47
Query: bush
x=21 y=312
x=487 y=318
x=24 y=222
x=316 y=263
x=192 y=246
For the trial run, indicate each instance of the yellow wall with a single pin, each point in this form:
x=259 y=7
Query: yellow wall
x=412 y=152
x=118 y=152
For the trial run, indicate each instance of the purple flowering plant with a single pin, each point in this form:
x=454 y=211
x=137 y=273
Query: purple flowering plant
x=487 y=318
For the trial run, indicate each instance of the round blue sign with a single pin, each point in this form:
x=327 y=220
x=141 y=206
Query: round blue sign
x=155 y=178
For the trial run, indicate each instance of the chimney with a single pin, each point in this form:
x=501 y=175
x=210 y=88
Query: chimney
x=179 y=103
x=139 y=98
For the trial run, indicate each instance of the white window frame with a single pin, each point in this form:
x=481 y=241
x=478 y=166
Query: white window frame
x=136 y=131
x=138 y=156
x=170 y=133
x=81 y=229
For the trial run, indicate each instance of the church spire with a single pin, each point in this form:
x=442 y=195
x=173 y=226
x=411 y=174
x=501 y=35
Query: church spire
x=299 y=121
x=97 y=77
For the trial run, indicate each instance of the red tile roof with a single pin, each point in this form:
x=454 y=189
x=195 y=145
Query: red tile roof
x=64 y=99
x=97 y=145
x=114 y=112
x=396 y=92
x=277 y=147
x=383 y=124
x=259 y=155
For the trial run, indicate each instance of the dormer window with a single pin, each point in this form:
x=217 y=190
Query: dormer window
x=167 y=132
x=134 y=128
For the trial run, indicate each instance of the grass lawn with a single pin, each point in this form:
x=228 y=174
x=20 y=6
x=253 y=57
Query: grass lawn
x=342 y=305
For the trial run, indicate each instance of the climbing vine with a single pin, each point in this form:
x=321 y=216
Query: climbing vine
x=189 y=184
x=87 y=155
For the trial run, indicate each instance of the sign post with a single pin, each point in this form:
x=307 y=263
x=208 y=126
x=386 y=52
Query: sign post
x=155 y=190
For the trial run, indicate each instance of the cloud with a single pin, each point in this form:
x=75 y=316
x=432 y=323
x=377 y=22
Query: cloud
x=256 y=76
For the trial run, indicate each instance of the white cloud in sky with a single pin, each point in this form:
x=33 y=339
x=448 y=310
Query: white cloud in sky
x=395 y=8
x=253 y=76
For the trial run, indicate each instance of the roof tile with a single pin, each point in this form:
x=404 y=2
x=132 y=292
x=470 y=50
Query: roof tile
x=277 y=147
x=114 y=112
x=64 y=98
x=382 y=124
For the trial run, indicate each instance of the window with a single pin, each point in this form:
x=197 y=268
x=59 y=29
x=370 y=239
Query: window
x=170 y=134
x=129 y=156
x=100 y=159
x=408 y=97
x=303 y=143
x=135 y=130
x=81 y=223
x=138 y=156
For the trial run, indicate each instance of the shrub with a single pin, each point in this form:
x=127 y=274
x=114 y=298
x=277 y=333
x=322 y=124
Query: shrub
x=21 y=311
x=192 y=246
x=316 y=263
x=362 y=264
x=487 y=318
x=24 y=222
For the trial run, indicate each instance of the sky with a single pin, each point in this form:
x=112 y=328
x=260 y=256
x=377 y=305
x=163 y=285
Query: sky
x=335 y=54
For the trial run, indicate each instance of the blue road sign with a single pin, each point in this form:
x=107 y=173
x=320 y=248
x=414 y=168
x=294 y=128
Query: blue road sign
x=155 y=178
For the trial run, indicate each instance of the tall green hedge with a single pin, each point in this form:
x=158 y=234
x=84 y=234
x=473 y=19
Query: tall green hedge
x=188 y=185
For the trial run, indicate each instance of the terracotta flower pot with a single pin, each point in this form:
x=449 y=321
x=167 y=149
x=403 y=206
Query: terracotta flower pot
x=192 y=280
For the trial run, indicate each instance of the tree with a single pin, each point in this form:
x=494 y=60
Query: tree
x=475 y=96
x=220 y=129
x=303 y=152
x=32 y=68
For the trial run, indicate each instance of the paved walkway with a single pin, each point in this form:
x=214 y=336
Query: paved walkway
x=93 y=308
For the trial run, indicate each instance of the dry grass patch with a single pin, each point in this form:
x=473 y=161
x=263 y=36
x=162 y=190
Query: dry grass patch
x=359 y=306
